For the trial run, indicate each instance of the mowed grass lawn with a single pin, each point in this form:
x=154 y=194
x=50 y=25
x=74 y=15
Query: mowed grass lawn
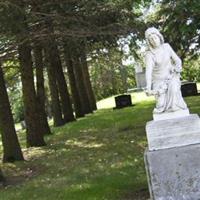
x=99 y=157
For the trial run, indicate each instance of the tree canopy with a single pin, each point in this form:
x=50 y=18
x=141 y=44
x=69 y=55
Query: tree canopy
x=180 y=23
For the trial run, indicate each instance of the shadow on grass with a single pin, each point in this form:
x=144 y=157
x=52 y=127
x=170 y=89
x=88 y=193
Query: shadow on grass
x=98 y=157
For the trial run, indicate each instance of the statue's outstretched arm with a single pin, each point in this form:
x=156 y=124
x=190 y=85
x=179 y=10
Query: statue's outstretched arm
x=149 y=69
x=175 y=59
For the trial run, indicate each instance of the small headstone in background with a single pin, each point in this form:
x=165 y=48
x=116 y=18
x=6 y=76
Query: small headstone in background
x=189 y=89
x=23 y=124
x=140 y=77
x=122 y=101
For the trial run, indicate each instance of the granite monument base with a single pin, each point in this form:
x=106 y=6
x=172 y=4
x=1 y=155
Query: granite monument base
x=173 y=158
x=174 y=174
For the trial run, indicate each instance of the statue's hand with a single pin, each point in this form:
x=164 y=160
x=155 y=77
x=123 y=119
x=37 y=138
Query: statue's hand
x=176 y=70
x=149 y=92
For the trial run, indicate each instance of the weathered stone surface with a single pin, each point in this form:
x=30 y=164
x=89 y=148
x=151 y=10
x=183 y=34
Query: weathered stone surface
x=174 y=174
x=173 y=133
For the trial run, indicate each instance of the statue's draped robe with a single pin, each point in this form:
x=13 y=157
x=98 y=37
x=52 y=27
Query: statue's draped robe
x=163 y=69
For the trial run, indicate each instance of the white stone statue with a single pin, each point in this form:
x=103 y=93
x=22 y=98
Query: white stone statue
x=163 y=68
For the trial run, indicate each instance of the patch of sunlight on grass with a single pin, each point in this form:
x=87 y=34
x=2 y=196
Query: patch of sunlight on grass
x=9 y=166
x=50 y=121
x=121 y=164
x=35 y=152
x=18 y=127
x=83 y=144
x=106 y=103
x=80 y=186
x=136 y=98
x=198 y=86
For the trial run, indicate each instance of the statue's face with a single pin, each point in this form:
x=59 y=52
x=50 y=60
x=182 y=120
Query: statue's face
x=154 y=40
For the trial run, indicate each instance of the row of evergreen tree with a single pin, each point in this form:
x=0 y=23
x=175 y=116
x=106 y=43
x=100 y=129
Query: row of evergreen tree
x=36 y=53
x=52 y=36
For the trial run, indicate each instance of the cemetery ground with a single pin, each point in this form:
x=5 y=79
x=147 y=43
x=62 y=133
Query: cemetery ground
x=99 y=157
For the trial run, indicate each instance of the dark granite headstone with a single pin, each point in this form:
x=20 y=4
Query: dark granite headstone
x=189 y=89
x=122 y=101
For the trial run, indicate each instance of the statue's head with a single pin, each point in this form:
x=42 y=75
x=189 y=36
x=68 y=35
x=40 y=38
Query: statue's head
x=150 y=33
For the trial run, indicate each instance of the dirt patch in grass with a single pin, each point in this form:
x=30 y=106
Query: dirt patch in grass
x=12 y=181
x=14 y=177
x=142 y=194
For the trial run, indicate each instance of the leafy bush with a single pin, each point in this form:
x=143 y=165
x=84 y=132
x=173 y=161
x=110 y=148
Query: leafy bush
x=191 y=70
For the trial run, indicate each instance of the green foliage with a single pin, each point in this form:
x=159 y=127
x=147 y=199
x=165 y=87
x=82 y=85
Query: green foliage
x=17 y=105
x=108 y=74
x=102 y=21
x=12 y=76
x=191 y=70
x=94 y=19
x=180 y=22
x=11 y=18
x=11 y=73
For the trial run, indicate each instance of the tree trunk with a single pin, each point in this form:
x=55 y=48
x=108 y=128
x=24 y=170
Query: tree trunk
x=11 y=146
x=123 y=73
x=75 y=94
x=88 y=84
x=34 y=130
x=113 y=80
x=55 y=62
x=40 y=88
x=2 y=178
x=55 y=101
x=80 y=83
x=39 y=65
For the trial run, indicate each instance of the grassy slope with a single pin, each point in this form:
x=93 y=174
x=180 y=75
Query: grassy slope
x=96 y=158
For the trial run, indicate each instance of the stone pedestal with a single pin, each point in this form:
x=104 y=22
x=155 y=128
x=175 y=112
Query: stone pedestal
x=140 y=80
x=173 y=158
x=171 y=115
